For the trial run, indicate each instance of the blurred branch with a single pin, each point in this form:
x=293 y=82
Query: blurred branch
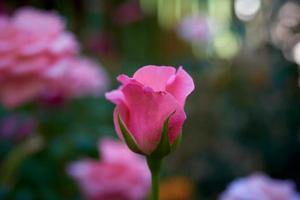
x=16 y=156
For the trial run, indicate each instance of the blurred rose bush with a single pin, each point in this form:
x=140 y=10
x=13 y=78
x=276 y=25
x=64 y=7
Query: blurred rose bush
x=260 y=187
x=120 y=174
x=38 y=56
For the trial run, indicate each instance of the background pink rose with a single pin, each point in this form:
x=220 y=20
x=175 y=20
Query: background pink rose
x=260 y=187
x=34 y=45
x=146 y=100
x=32 y=40
x=120 y=174
x=85 y=76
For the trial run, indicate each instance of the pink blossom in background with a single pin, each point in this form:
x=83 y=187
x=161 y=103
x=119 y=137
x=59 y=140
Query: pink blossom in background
x=32 y=40
x=260 y=187
x=195 y=29
x=119 y=175
x=75 y=77
x=33 y=44
x=147 y=99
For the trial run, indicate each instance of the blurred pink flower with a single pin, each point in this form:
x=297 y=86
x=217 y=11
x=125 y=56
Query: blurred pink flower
x=260 y=187
x=120 y=174
x=195 y=29
x=32 y=40
x=84 y=74
x=33 y=44
x=146 y=100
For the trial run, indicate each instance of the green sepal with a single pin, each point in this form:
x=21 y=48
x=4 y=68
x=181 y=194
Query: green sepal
x=164 y=147
x=128 y=138
x=176 y=143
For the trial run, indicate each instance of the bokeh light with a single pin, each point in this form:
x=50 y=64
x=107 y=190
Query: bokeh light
x=246 y=10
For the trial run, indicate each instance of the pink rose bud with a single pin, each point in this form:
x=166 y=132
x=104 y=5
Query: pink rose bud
x=149 y=112
x=260 y=187
x=120 y=174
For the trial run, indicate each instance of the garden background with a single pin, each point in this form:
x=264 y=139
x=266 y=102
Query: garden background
x=243 y=117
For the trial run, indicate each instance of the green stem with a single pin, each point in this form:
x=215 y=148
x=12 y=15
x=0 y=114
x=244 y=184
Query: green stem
x=154 y=166
x=16 y=156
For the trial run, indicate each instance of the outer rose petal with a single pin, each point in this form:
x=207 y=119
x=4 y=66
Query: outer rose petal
x=121 y=110
x=115 y=96
x=147 y=112
x=180 y=86
x=124 y=79
x=175 y=124
x=154 y=76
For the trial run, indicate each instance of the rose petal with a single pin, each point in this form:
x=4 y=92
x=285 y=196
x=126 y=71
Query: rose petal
x=124 y=79
x=180 y=86
x=115 y=96
x=147 y=112
x=154 y=76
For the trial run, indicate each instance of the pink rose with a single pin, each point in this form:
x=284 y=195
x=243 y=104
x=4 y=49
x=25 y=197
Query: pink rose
x=120 y=174
x=32 y=40
x=260 y=187
x=35 y=49
x=145 y=101
x=85 y=75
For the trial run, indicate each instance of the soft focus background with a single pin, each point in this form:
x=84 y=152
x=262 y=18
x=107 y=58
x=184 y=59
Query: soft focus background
x=243 y=117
